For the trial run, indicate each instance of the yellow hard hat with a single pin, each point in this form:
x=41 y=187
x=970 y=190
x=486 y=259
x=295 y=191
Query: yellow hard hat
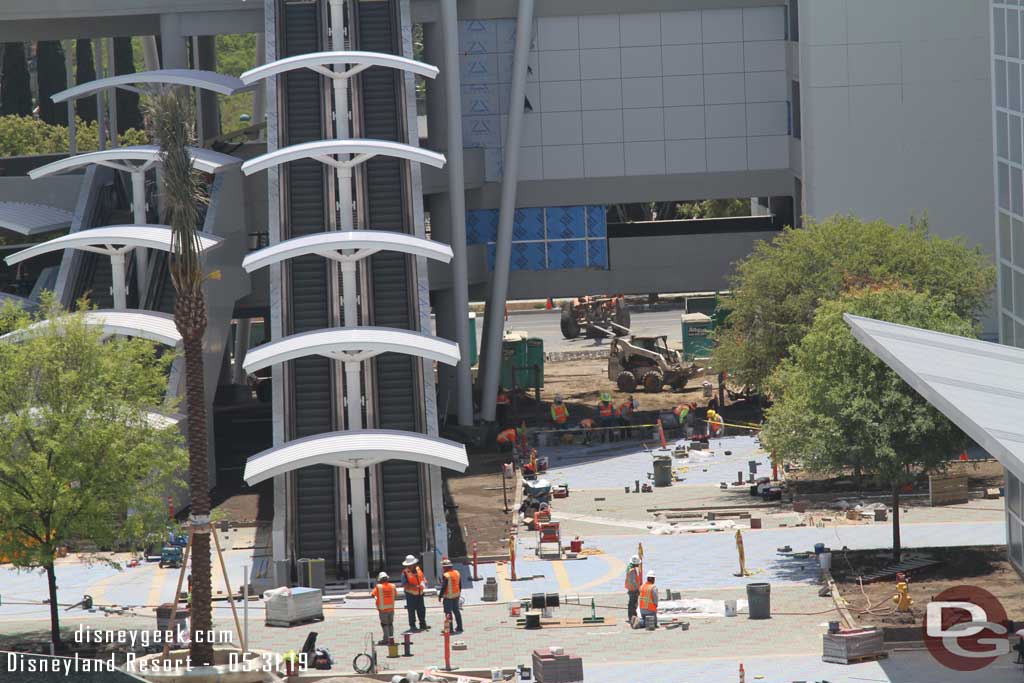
x=605 y=396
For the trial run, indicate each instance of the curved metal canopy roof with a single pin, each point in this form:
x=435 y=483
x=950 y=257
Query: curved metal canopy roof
x=111 y=239
x=319 y=61
x=120 y=158
x=193 y=78
x=328 y=244
x=323 y=150
x=156 y=327
x=33 y=219
x=355 y=448
x=20 y=301
x=352 y=344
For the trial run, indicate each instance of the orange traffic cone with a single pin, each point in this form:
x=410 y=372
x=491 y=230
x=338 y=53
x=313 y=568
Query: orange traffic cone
x=549 y=304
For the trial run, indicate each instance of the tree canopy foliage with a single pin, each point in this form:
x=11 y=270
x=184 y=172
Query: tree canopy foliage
x=81 y=458
x=25 y=135
x=777 y=290
x=838 y=406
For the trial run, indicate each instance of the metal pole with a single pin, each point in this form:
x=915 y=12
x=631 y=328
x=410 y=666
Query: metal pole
x=360 y=547
x=118 y=284
x=150 y=55
x=72 y=124
x=509 y=183
x=115 y=140
x=139 y=216
x=259 y=95
x=101 y=113
x=457 y=202
x=245 y=605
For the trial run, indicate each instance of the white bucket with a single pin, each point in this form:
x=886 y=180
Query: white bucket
x=730 y=608
x=825 y=561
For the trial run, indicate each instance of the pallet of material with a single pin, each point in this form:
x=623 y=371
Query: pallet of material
x=552 y=665
x=301 y=606
x=573 y=622
x=847 y=647
x=947 y=490
x=910 y=565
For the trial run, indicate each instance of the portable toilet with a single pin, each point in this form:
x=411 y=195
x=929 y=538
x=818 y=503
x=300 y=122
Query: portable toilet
x=697 y=328
x=534 y=357
x=472 y=339
x=513 y=355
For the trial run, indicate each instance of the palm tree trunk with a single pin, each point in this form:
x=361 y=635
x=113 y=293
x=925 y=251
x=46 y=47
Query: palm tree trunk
x=51 y=579
x=190 y=319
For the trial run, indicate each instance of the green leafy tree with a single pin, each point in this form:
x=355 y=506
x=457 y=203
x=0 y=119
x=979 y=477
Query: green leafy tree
x=778 y=288
x=236 y=53
x=714 y=208
x=15 y=83
x=85 y=72
x=838 y=406
x=170 y=117
x=129 y=116
x=25 y=135
x=53 y=77
x=82 y=458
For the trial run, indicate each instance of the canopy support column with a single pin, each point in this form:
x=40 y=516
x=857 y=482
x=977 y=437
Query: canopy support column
x=360 y=545
x=118 y=285
x=139 y=215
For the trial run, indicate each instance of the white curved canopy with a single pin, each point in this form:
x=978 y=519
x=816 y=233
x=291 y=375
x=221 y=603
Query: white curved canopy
x=134 y=158
x=19 y=301
x=355 y=448
x=33 y=219
x=111 y=239
x=352 y=344
x=324 y=150
x=193 y=78
x=363 y=242
x=156 y=327
x=320 y=61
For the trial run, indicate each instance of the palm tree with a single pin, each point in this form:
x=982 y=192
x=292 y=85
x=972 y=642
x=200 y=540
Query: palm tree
x=169 y=118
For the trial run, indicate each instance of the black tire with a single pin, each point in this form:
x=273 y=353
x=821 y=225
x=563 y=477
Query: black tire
x=679 y=384
x=653 y=380
x=570 y=328
x=626 y=381
x=621 y=314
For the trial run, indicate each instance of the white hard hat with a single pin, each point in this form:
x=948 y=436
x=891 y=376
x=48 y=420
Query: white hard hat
x=382 y=576
x=558 y=398
x=635 y=559
x=410 y=560
x=650 y=574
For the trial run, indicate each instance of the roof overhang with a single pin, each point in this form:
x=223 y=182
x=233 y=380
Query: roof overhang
x=134 y=158
x=33 y=219
x=112 y=239
x=978 y=385
x=355 y=60
x=353 y=449
x=363 y=242
x=358 y=151
x=156 y=327
x=219 y=83
x=352 y=344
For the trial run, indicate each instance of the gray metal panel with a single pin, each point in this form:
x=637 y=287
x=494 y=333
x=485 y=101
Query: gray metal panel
x=308 y=308
x=390 y=278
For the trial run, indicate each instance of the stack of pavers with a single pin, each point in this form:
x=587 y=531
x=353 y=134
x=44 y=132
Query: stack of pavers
x=552 y=665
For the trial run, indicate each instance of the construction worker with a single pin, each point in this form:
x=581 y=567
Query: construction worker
x=633 y=581
x=414 y=584
x=606 y=414
x=501 y=405
x=588 y=427
x=450 y=593
x=559 y=413
x=648 y=602
x=626 y=410
x=384 y=596
x=716 y=424
x=689 y=423
x=507 y=437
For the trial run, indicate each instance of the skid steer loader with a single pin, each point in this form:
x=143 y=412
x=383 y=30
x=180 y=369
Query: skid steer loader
x=647 y=362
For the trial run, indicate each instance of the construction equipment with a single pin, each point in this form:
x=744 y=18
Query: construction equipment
x=595 y=317
x=647 y=362
x=170 y=556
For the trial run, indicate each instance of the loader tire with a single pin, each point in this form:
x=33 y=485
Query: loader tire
x=570 y=328
x=626 y=381
x=652 y=381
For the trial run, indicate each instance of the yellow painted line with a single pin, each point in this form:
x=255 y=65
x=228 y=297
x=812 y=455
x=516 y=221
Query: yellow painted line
x=562 y=576
x=156 y=585
x=616 y=568
x=505 y=592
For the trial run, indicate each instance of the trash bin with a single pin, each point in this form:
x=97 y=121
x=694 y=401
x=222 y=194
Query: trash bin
x=663 y=471
x=759 y=600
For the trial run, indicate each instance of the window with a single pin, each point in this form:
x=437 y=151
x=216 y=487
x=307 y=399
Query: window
x=1005 y=247
x=1006 y=274
x=794 y=21
x=1018 y=243
x=1000 y=84
x=1015 y=542
x=1004 y=186
x=1012 y=493
x=795 y=110
x=999 y=31
x=1006 y=327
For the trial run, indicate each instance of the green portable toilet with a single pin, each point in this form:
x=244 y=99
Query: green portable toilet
x=534 y=356
x=472 y=340
x=513 y=354
x=697 y=328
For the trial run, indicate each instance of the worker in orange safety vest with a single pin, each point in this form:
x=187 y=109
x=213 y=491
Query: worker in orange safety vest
x=384 y=596
x=632 y=585
x=648 y=602
x=451 y=593
x=607 y=414
x=626 y=410
x=414 y=584
x=559 y=413
x=507 y=437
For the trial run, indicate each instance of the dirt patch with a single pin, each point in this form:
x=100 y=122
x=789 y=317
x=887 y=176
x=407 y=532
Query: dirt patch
x=981 y=567
x=980 y=474
x=475 y=506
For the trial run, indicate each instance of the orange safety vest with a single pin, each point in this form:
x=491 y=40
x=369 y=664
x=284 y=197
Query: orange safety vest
x=626 y=409
x=413 y=581
x=502 y=398
x=681 y=411
x=453 y=587
x=605 y=409
x=649 y=597
x=559 y=413
x=507 y=436
x=633 y=579
x=586 y=423
x=384 y=593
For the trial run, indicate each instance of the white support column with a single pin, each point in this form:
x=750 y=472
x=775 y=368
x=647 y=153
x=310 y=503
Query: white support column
x=139 y=215
x=115 y=140
x=150 y=55
x=101 y=108
x=343 y=131
x=118 y=285
x=360 y=546
x=457 y=201
x=69 y=81
x=242 y=331
x=509 y=184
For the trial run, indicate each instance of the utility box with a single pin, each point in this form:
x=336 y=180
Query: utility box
x=312 y=573
x=519 y=355
x=697 y=329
